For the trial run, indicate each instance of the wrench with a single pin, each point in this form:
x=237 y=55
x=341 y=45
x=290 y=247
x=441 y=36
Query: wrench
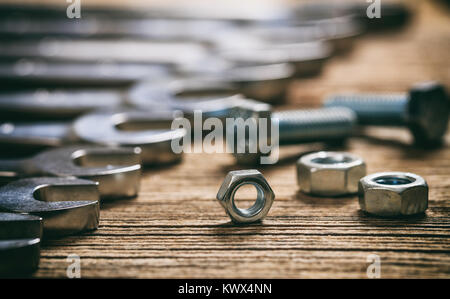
x=20 y=238
x=56 y=104
x=213 y=98
x=106 y=27
x=210 y=91
x=128 y=128
x=66 y=205
x=117 y=170
x=115 y=51
x=38 y=72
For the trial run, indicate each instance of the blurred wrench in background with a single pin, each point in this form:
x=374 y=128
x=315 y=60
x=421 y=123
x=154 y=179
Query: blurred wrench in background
x=55 y=103
x=21 y=72
x=265 y=82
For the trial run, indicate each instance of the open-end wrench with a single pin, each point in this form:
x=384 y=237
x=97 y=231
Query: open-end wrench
x=213 y=98
x=116 y=51
x=117 y=170
x=307 y=58
x=55 y=103
x=149 y=131
x=211 y=91
x=144 y=129
x=20 y=238
x=13 y=26
x=66 y=205
x=40 y=73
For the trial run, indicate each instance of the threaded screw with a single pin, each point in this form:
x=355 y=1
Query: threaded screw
x=295 y=127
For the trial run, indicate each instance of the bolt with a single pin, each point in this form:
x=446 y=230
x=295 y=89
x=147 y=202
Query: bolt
x=424 y=110
x=295 y=127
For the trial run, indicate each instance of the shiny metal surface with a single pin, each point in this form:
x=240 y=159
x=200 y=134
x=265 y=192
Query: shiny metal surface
x=36 y=134
x=117 y=170
x=104 y=27
x=266 y=83
x=330 y=173
x=133 y=128
x=56 y=103
x=67 y=205
x=393 y=194
x=102 y=72
x=20 y=237
x=114 y=52
x=236 y=179
x=214 y=98
x=295 y=127
x=424 y=110
x=307 y=58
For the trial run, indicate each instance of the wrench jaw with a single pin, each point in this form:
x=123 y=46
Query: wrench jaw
x=117 y=170
x=19 y=257
x=67 y=205
x=20 y=237
x=214 y=98
x=141 y=129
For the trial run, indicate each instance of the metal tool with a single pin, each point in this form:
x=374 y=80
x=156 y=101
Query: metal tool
x=17 y=26
x=393 y=194
x=214 y=98
x=295 y=126
x=338 y=31
x=135 y=54
x=393 y=14
x=424 y=110
x=56 y=103
x=117 y=170
x=99 y=73
x=35 y=136
x=20 y=238
x=235 y=180
x=150 y=131
x=66 y=205
x=307 y=58
x=330 y=173
x=265 y=83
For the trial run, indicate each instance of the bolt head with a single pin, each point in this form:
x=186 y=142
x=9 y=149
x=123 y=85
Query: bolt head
x=428 y=112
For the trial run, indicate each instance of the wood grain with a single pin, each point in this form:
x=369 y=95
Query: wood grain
x=176 y=229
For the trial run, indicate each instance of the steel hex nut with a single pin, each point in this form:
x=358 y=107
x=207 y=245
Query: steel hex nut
x=247 y=115
x=236 y=179
x=330 y=173
x=393 y=194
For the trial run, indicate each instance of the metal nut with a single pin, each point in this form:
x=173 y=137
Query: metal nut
x=236 y=179
x=393 y=194
x=330 y=173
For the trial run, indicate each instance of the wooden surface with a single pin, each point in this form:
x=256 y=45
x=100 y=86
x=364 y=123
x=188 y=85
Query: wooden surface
x=177 y=229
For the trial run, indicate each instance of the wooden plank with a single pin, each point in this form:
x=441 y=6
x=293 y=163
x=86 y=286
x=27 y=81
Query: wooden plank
x=176 y=229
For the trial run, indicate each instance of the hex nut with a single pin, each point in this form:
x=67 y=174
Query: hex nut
x=393 y=194
x=330 y=173
x=236 y=179
x=246 y=147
